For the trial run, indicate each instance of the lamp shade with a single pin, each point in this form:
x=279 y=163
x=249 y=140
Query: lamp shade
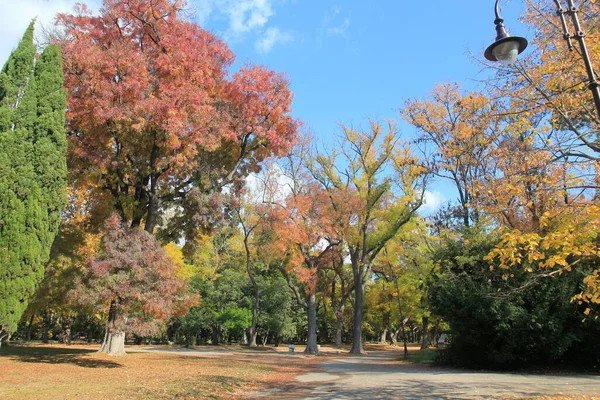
x=506 y=50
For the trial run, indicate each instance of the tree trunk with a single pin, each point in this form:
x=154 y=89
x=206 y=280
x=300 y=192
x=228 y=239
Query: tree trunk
x=404 y=339
x=114 y=337
x=46 y=326
x=425 y=337
x=244 y=341
x=394 y=337
x=153 y=200
x=215 y=335
x=311 y=342
x=90 y=335
x=339 y=325
x=434 y=335
x=254 y=327
x=357 y=347
x=255 y=305
x=66 y=334
x=265 y=338
x=30 y=327
x=153 y=207
x=383 y=336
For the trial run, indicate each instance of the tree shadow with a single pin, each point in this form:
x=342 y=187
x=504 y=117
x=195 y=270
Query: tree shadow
x=407 y=389
x=49 y=355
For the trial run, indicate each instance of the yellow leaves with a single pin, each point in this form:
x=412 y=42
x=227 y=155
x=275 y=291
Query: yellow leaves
x=90 y=247
x=591 y=293
x=567 y=235
x=181 y=268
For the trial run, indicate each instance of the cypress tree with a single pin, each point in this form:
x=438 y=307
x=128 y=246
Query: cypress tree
x=49 y=137
x=32 y=172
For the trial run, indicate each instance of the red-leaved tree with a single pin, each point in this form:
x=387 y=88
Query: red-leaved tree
x=133 y=279
x=154 y=114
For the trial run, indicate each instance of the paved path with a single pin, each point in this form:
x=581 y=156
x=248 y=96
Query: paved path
x=379 y=376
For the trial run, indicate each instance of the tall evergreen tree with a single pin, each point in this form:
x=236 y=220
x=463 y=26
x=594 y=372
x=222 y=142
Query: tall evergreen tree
x=15 y=75
x=32 y=172
x=48 y=134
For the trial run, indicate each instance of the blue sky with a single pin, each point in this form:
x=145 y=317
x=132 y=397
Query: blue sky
x=347 y=61
x=354 y=60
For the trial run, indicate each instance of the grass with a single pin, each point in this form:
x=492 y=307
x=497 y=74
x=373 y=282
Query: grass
x=79 y=372
x=418 y=356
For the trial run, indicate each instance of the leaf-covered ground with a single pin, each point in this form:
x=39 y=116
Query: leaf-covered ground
x=79 y=372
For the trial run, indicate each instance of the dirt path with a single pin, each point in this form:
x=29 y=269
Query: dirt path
x=379 y=376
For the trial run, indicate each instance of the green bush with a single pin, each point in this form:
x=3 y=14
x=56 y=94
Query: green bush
x=506 y=319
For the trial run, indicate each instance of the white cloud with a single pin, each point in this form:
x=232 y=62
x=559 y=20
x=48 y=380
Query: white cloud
x=17 y=14
x=247 y=15
x=202 y=10
x=340 y=29
x=270 y=38
x=270 y=184
x=243 y=15
x=431 y=202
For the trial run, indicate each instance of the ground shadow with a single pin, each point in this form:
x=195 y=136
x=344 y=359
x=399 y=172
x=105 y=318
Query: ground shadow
x=49 y=355
x=406 y=389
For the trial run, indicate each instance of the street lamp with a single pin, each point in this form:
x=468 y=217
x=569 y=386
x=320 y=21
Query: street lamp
x=506 y=48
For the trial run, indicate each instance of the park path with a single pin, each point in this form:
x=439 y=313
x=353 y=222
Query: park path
x=379 y=376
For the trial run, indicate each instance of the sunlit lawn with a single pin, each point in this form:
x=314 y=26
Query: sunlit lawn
x=65 y=372
x=418 y=356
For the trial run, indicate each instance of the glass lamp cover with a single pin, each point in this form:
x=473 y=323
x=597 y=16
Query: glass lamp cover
x=507 y=52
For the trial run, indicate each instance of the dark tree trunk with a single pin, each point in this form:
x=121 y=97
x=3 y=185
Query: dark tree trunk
x=309 y=303
x=255 y=305
x=90 y=336
x=29 y=328
x=311 y=342
x=215 y=335
x=339 y=325
x=357 y=347
x=425 y=337
x=46 y=326
x=434 y=335
x=404 y=339
x=114 y=337
x=153 y=199
x=152 y=216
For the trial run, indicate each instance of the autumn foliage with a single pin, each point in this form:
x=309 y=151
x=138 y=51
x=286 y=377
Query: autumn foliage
x=132 y=270
x=153 y=110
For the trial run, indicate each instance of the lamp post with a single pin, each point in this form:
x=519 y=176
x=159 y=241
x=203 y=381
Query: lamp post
x=506 y=48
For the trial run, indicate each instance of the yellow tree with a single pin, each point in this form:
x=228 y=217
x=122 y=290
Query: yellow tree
x=403 y=268
x=385 y=182
x=543 y=187
x=548 y=222
x=455 y=133
x=552 y=81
